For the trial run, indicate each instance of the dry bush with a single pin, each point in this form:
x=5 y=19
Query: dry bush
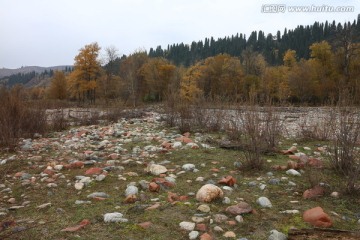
x=344 y=149
x=257 y=131
x=57 y=120
x=321 y=129
x=19 y=119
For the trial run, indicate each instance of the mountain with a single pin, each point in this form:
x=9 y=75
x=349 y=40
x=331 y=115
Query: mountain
x=5 y=72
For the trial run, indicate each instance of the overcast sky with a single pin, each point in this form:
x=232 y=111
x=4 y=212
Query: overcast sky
x=51 y=32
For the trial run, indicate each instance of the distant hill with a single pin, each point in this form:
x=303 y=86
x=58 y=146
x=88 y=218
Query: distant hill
x=5 y=72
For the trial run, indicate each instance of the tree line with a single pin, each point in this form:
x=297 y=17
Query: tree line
x=308 y=65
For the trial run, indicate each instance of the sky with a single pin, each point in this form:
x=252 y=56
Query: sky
x=51 y=32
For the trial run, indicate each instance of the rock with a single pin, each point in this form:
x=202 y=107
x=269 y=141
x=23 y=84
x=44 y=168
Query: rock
x=228 y=180
x=239 y=219
x=94 y=171
x=317 y=217
x=274 y=181
x=131 y=190
x=293 y=172
x=276 y=235
x=193 y=235
x=156 y=169
x=45 y=205
x=264 y=202
x=114 y=217
x=262 y=186
x=219 y=218
x=188 y=167
x=79 y=185
x=206 y=236
x=218 y=229
x=58 y=167
x=98 y=195
x=204 y=208
x=240 y=208
x=11 y=200
x=335 y=194
x=290 y=212
x=78 y=202
x=131 y=198
x=208 y=193
x=100 y=177
x=192 y=145
x=314 y=192
x=81 y=225
x=197 y=219
x=176 y=145
x=229 y=234
x=145 y=225
x=226 y=200
x=188 y=226
x=154 y=187
x=291 y=150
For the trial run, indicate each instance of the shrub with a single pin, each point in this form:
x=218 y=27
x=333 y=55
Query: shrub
x=344 y=148
x=18 y=119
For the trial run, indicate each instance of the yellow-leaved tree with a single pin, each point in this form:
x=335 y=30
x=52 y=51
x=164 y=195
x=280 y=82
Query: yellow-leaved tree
x=189 y=90
x=58 y=86
x=87 y=70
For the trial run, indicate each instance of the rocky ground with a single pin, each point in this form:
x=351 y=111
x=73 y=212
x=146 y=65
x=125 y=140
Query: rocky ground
x=138 y=179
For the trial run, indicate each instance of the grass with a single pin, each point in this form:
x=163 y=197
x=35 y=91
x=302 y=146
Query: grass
x=47 y=223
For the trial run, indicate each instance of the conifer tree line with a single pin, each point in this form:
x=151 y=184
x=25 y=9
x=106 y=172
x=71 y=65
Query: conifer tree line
x=308 y=65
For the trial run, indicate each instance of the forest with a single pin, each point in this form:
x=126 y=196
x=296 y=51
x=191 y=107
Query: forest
x=310 y=65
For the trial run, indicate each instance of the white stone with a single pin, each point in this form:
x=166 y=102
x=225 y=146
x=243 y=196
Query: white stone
x=114 y=217
x=290 y=212
x=176 y=145
x=100 y=177
x=131 y=190
x=239 y=219
x=188 y=226
x=264 y=202
x=156 y=169
x=218 y=229
x=276 y=235
x=188 y=167
x=193 y=235
x=293 y=172
x=79 y=185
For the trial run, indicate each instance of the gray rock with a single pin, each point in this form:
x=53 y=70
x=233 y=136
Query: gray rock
x=276 y=235
x=264 y=202
x=188 y=167
x=144 y=184
x=25 y=176
x=252 y=184
x=274 y=181
x=219 y=218
x=226 y=200
x=131 y=190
